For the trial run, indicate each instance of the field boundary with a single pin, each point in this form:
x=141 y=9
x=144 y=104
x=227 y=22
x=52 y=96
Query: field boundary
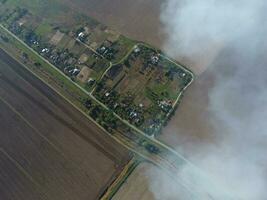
x=116 y=185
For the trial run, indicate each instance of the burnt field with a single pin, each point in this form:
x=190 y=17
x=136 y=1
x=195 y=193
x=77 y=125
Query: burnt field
x=49 y=150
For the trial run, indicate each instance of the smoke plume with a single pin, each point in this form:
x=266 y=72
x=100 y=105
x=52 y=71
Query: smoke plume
x=228 y=39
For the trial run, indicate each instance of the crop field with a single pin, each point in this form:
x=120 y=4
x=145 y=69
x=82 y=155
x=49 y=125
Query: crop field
x=137 y=19
x=137 y=185
x=149 y=182
x=49 y=150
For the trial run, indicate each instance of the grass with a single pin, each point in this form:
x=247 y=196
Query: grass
x=64 y=42
x=124 y=45
x=160 y=89
x=75 y=47
x=43 y=29
x=53 y=73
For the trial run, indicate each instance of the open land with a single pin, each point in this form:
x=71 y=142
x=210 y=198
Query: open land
x=48 y=149
x=145 y=183
x=136 y=186
x=137 y=19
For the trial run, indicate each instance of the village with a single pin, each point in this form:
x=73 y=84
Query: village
x=143 y=88
x=135 y=81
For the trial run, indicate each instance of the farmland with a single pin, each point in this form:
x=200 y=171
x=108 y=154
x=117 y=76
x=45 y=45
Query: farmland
x=148 y=182
x=48 y=150
x=137 y=19
x=136 y=186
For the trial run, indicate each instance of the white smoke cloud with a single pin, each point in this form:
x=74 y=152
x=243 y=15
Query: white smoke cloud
x=201 y=27
x=231 y=35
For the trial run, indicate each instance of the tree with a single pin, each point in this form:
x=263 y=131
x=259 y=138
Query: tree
x=4 y=38
x=110 y=119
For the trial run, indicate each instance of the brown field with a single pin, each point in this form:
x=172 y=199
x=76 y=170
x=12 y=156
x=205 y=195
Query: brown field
x=57 y=37
x=137 y=19
x=148 y=182
x=133 y=82
x=191 y=126
x=49 y=150
x=136 y=186
x=84 y=74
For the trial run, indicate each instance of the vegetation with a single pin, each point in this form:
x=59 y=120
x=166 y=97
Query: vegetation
x=143 y=88
x=135 y=81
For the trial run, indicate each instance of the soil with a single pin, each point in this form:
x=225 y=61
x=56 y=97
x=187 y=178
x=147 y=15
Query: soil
x=137 y=19
x=136 y=186
x=48 y=149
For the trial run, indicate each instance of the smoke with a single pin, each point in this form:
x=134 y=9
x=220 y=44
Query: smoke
x=230 y=36
x=198 y=29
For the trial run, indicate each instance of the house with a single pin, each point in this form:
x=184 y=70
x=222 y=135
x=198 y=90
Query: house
x=115 y=105
x=182 y=74
x=133 y=114
x=91 y=81
x=81 y=34
x=154 y=60
x=165 y=105
x=45 y=50
x=76 y=71
x=107 y=94
x=137 y=49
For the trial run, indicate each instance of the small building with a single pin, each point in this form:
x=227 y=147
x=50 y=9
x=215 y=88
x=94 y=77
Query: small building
x=136 y=49
x=91 y=81
x=45 y=50
x=81 y=34
x=154 y=60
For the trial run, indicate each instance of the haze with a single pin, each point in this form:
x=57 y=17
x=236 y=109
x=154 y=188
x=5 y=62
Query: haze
x=230 y=37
